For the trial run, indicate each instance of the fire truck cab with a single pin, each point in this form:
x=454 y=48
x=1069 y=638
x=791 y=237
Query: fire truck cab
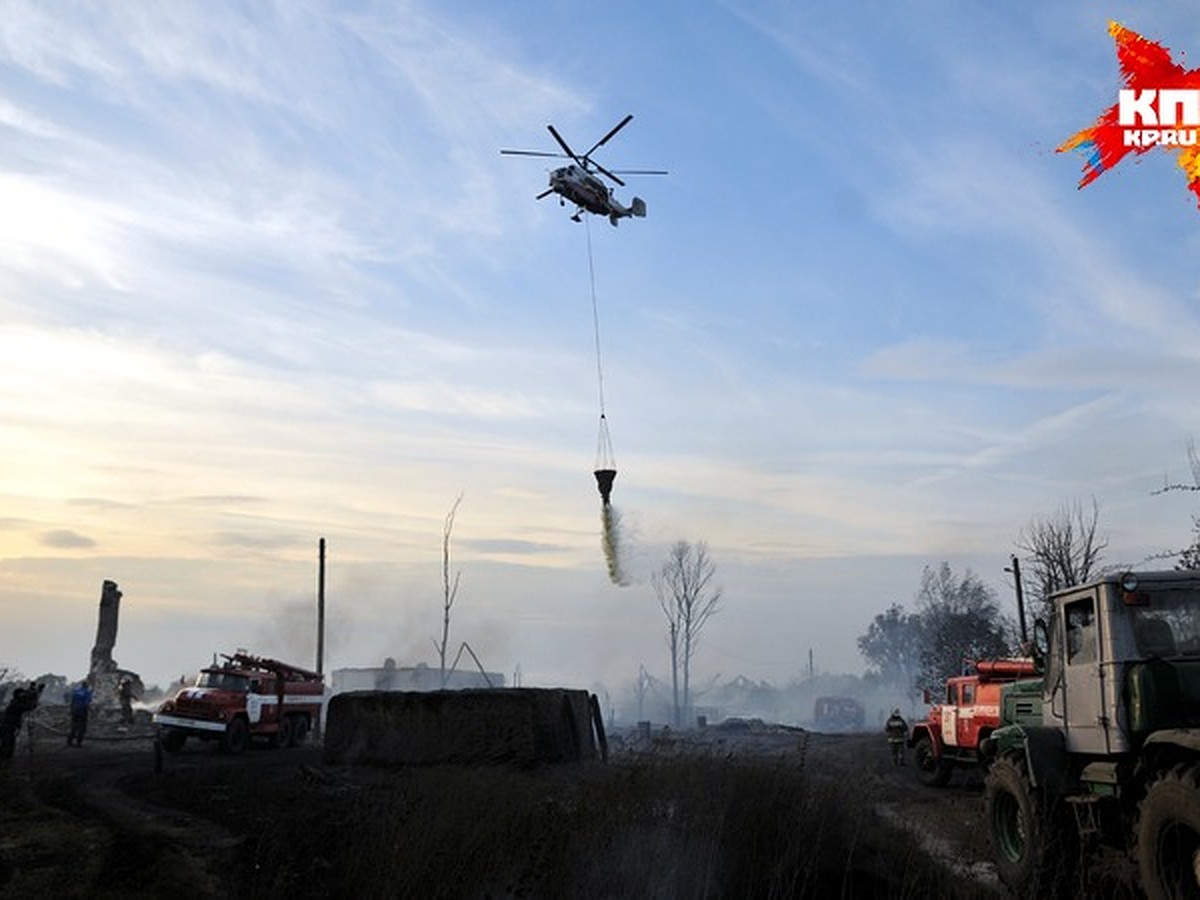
x=245 y=697
x=949 y=736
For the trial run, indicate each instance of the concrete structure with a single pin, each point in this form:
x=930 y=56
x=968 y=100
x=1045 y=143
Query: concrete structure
x=104 y=675
x=518 y=726
x=410 y=678
x=106 y=630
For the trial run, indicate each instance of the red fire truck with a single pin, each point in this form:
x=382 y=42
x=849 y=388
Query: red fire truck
x=243 y=698
x=949 y=737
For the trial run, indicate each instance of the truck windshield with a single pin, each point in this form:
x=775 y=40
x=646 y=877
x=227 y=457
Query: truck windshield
x=1169 y=625
x=225 y=681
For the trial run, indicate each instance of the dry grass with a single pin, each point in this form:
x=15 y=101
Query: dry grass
x=683 y=827
x=679 y=826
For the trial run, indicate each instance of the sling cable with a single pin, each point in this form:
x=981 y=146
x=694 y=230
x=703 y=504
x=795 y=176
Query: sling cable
x=606 y=463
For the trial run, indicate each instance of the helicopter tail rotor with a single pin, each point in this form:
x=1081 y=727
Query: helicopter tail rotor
x=638 y=207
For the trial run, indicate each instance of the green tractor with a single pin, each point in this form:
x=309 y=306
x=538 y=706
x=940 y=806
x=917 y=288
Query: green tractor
x=1101 y=752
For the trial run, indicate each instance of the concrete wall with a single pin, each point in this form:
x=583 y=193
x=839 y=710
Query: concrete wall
x=411 y=678
x=521 y=726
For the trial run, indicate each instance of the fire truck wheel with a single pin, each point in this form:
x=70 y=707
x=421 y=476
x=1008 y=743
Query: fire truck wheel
x=283 y=737
x=236 y=737
x=930 y=769
x=173 y=739
x=299 y=730
x=1028 y=843
x=1167 y=836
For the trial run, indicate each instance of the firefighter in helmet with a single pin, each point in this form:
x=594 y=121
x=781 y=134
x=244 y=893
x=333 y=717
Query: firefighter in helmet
x=896 y=730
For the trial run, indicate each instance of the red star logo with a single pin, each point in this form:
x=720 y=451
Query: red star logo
x=1146 y=66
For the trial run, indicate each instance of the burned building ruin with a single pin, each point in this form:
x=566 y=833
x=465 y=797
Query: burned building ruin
x=104 y=674
x=106 y=630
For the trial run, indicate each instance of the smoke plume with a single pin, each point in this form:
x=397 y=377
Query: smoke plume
x=611 y=520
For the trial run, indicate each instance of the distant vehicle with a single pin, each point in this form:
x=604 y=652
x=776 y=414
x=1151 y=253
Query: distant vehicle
x=243 y=698
x=949 y=736
x=582 y=186
x=838 y=714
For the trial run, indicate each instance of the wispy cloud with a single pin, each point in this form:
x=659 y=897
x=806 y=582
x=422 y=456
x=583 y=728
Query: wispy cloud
x=65 y=539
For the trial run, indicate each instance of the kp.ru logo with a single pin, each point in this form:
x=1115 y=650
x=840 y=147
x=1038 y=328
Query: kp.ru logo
x=1155 y=108
x=1159 y=108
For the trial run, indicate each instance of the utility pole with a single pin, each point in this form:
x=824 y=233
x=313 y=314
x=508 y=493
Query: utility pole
x=1016 y=574
x=321 y=607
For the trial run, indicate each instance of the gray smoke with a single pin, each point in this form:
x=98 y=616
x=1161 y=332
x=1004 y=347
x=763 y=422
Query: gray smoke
x=612 y=541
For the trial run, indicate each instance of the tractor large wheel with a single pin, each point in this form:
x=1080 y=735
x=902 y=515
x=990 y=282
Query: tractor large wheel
x=1167 y=836
x=236 y=737
x=932 y=770
x=1028 y=841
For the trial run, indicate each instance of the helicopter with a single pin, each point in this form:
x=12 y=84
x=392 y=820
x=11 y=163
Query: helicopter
x=580 y=181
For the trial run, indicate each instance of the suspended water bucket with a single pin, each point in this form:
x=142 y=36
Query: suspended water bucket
x=604 y=481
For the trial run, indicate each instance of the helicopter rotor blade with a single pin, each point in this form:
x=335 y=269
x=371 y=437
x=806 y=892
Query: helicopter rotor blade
x=603 y=171
x=604 y=140
x=571 y=153
x=640 y=172
x=545 y=193
x=531 y=153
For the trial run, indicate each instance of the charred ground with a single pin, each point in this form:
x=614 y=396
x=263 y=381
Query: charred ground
x=745 y=810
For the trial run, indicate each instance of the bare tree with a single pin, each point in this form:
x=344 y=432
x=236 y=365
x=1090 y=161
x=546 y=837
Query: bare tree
x=640 y=687
x=1194 y=463
x=1189 y=556
x=688 y=600
x=449 y=589
x=892 y=644
x=1187 y=559
x=959 y=622
x=671 y=612
x=1063 y=549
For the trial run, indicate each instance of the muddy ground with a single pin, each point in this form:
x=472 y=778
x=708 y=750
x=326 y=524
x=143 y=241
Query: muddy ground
x=104 y=821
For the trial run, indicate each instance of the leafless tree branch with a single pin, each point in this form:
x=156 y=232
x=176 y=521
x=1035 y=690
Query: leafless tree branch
x=1063 y=549
x=449 y=588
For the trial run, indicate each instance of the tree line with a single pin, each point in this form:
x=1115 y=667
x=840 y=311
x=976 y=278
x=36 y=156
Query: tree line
x=957 y=619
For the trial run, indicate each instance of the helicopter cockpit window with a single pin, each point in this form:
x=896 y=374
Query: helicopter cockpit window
x=1081 y=631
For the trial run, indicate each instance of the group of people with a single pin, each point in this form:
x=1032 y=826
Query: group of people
x=79 y=699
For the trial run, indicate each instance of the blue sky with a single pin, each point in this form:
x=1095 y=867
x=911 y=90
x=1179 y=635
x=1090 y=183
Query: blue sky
x=265 y=277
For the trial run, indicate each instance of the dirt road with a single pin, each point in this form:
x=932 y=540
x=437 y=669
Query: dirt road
x=947 y=821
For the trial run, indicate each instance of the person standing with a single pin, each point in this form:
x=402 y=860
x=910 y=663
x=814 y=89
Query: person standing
x=125 y=695
x=23 y=700
x=81 y=701
x=897 y=733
